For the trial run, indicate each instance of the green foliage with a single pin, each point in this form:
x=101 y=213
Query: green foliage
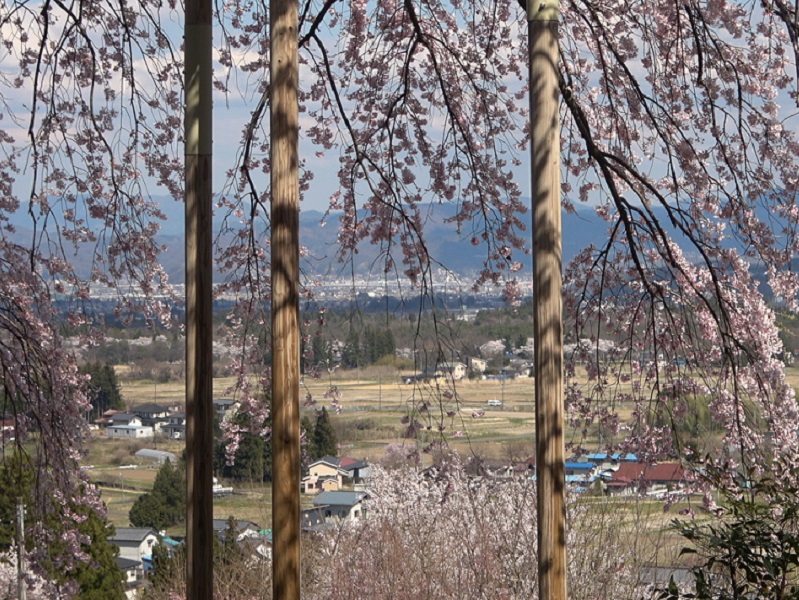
x=16 y=484
x=104 y=391
x=749 y=549
x=165 y=506
x=351 y=354
x=99 y=578
x=322 y=353
x=378 y=342
x=324 y=439
x=253 y=459
x=168 y=567
x=228 y=551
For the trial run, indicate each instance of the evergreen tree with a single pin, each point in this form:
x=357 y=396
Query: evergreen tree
x=253 y=460
x=389 y=345
x=321 y=350
x=104 y=391
x=168 y=566
x=307 y=426
x=165 y=506
x=324 y=436
x=99 y=578
x=351 y=356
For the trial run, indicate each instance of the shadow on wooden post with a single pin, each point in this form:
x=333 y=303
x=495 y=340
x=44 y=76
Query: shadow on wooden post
x=284 y=127
x=547 y=299
x=199 y=361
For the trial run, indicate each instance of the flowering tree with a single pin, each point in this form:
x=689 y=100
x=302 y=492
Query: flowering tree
x=673 y=129
x=677 y=129
x=443 y=534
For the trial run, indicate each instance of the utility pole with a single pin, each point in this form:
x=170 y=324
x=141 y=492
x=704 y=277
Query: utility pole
x=542 y=17
x=22 y=588
x=285 y=217
x=199 y=350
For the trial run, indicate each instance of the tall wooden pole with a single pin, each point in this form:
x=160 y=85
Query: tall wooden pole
x=542 y=18
x=284 y=127
x=22 y=568
x=199 y=394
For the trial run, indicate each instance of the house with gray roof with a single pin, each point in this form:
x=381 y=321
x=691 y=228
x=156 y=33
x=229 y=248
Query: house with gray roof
x=341 y=506
x=135 y=543
x=244 y=529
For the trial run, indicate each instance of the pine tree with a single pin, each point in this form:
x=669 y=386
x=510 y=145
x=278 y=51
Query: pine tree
x=165 y=506
x=351 y=354
x=307 y=426
x=98 y=578
x=104 y=391
x=253 y=460
x=324 y=436
x=321 y=350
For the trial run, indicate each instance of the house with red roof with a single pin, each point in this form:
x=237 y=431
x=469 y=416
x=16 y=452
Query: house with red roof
x=648 y=478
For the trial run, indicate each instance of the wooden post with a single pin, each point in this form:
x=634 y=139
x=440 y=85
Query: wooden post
x=199 y=390
x=22 y=568
x=548 y=304
x=284 y=124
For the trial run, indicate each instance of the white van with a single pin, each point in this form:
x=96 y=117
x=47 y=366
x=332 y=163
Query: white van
x=495 y=402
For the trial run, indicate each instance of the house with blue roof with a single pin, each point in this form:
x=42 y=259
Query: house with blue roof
x=582 y=473
x=609 y=462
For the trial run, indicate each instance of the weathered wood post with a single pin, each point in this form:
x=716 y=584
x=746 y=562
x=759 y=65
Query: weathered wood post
x=284 y=127
x=199 y=384
x=542 y=17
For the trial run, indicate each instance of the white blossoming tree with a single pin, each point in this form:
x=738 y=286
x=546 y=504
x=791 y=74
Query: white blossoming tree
x=677 y=125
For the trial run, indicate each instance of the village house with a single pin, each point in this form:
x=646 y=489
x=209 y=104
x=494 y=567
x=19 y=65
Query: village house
x=150 y=412
x=120 y=419
x=354 y=469
x=133 y=575
x=643 y=478
x=456 y=370
x=175 y=426
x=477 y=365
x=324 y=475
x=244 y=529
x=8 y=430
x=609 y=462
x=136 y=544
x=223 y=406
x=329 y=473
x=107 y=418
x=341 y=506
x=127 y=425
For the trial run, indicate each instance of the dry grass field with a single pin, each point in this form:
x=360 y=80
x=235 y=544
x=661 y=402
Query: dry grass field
x=374 y=403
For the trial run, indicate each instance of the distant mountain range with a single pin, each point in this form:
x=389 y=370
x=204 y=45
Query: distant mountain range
x=447 y=247
x=444 y=243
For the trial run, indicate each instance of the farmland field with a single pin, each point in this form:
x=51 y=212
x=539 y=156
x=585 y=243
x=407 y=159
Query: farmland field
x=373 y=404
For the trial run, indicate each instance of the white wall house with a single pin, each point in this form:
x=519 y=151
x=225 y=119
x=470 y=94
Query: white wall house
x=341 y=506
x=129 y=431
x=457 y=370
x=135 y=543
